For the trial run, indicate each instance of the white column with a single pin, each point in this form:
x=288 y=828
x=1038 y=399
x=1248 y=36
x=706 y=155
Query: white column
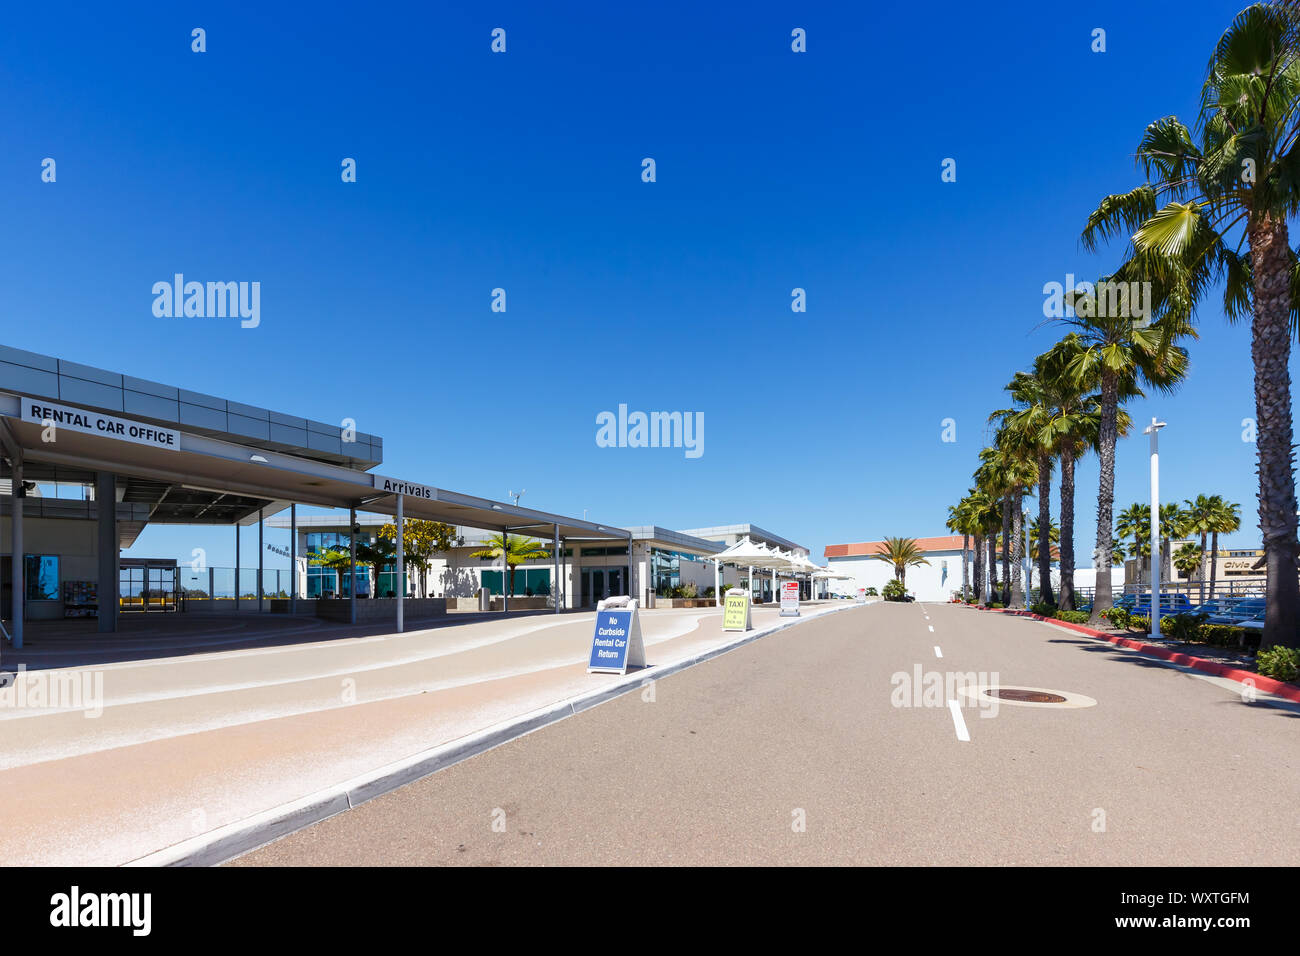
x=16 y=549
x=293 y=559
x=401 y=566
x=1154 y=431
x=717 y=581
x=352 y=564
x=555 y=558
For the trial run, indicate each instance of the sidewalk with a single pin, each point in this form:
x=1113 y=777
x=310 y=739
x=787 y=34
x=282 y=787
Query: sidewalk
x=186 y=745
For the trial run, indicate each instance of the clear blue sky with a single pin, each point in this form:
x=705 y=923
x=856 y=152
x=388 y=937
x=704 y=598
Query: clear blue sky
x=775 y=170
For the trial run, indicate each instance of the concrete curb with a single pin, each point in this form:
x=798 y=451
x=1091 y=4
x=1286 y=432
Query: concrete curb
x=1270 y=685
x=234 y=839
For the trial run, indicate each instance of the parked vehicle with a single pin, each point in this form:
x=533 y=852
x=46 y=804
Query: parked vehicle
x=1243 y=611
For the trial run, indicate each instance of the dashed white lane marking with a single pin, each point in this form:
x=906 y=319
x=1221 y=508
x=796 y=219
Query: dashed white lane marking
x=937 y=652
x=931 y=628
x=959 y=721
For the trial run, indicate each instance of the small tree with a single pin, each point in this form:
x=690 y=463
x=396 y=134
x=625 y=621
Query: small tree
x=338 y=559
x=421 y=540
x=517 y=550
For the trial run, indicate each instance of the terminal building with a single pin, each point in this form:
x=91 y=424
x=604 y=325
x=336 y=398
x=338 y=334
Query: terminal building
x=92 y=457
x=934 y=581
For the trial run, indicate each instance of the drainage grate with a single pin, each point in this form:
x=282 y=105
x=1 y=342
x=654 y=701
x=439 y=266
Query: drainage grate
x=1026 y=696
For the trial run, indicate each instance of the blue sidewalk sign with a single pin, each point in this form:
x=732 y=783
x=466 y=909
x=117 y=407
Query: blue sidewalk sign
x=616 y=644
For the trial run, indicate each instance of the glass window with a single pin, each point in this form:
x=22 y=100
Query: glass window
x=41 y=572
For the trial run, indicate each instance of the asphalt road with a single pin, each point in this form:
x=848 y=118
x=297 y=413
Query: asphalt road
x=727 y=759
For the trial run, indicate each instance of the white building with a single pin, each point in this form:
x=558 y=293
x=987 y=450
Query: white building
x=933 y=581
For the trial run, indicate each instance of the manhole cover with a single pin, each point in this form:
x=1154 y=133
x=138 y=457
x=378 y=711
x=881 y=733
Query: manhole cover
x=1026 y=696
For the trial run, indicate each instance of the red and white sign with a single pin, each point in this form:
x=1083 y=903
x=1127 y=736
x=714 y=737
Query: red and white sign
x=790 y=598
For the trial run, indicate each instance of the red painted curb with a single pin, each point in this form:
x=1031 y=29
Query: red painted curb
x=1283 y=689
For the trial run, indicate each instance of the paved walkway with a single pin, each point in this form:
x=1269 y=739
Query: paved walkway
x=185 y=744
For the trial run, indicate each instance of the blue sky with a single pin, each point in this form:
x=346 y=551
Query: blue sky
x=522 y=171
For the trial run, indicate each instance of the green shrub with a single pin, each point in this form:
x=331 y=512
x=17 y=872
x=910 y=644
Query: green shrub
x=1143 y=624
x=1280 y=662
x=1073 y=617
x=872 y=592
x=1118 y=616
x=1043 y=609
x=894 y=591
x=1183 y=627
x=1221 y=635
x=993 y=604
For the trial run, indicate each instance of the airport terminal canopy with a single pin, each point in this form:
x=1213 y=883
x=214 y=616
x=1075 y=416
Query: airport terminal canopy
x=186 y=457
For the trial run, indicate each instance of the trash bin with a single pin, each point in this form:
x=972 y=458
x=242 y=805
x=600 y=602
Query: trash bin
x=484 y=599
x=649 y=601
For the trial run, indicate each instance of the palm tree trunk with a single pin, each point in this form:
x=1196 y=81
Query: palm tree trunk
x=978 y=591
x=1017 y=549
x=1271 y=350
x=1107 y=435
x=992 y=567
x=1006 y=551
x=1202 y=591
x=1067 y=530
x=1044 y=529
x=1214 y=564
x=965 y=565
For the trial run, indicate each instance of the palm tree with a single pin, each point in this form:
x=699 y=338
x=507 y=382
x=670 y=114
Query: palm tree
x=338 y=559
x=1226 y=520
x=1234 y=184
x=1199 y=515
x=1188 y=558
x=1011 y=459
x=377 y=555
x=1135 y=520
x=1114 y=354
x=517 y=550
x=959 y=520
x=902 y=553
x=1042 y=555
x=1025 y=421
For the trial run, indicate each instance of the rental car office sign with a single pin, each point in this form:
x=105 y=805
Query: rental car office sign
x=48 y=414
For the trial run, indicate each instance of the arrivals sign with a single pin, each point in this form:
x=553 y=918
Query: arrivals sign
x=392 y=486
x=616 y=645
x=790 y=599
x=735 y=611
x=52 y=414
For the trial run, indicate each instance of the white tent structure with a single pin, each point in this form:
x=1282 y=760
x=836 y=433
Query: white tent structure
x=747 y=554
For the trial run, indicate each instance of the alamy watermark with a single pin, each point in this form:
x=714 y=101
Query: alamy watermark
x=210 y=300
x=651 y=430
x=1105 y=299
x=53 y=690
x=923 y=688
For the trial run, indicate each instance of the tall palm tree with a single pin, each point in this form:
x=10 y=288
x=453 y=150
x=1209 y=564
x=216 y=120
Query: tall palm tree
x=1115 y=354
x=1234 y=184
x=1012 y=459
x=517 y=550
x=1042 y=555
x=1026 y=420
x=959 y=521
x=1199 y=515
x=902 y=553
x=1227 y=519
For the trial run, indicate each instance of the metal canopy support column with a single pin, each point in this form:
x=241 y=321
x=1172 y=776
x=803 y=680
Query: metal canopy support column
x=401 y=565
x=293 y=559
x=236 y=567
x=19 y=603
x=717 y=582
x=352 y=563
x=261 y=550
x=106 y=517
x=505 y=570
x=555 y=558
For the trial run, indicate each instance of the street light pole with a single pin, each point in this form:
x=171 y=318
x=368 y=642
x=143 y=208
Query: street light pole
x=1154 y=431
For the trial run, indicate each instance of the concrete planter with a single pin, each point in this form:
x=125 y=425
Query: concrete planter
x=372 y=610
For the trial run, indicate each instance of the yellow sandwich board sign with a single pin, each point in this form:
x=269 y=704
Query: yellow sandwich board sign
x=735 y=611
